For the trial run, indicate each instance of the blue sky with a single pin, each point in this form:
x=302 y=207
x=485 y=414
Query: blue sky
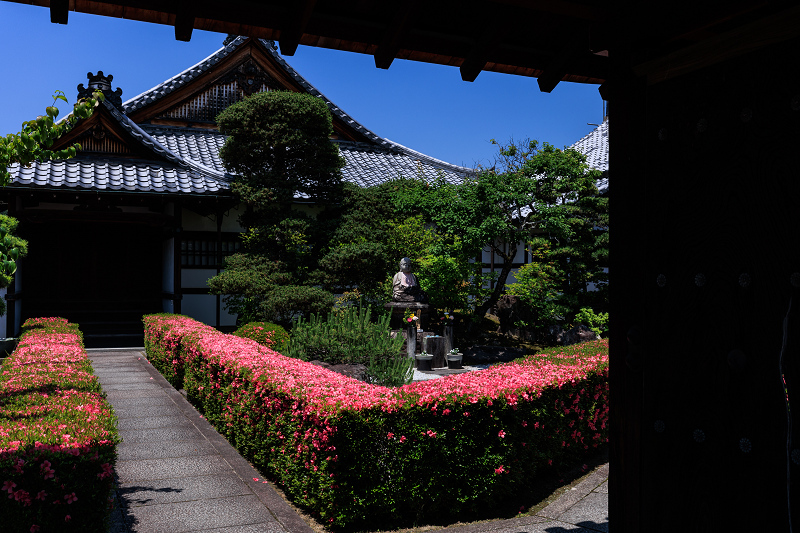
x=422 y=106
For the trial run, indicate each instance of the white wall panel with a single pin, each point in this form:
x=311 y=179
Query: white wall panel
x=200 y=307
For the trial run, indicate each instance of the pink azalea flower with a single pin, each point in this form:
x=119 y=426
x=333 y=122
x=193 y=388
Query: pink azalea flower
x=9 y=486
x=499 y=470
x=69 y=498
x=501 y=434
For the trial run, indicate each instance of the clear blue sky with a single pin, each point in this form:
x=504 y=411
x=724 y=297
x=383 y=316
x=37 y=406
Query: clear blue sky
x=422 y=106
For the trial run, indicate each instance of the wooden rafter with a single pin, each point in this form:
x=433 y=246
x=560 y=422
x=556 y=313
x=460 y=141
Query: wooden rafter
x=184 y=21
x=487 y=42
x=389 y=45
x=59 y=11
x=295 y=26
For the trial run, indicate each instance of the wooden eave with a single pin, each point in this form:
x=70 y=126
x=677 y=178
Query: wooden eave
x=103 y=119
x=150 y=113
x=553 y=40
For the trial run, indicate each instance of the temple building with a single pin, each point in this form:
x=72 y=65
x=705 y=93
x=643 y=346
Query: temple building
x=142 y=217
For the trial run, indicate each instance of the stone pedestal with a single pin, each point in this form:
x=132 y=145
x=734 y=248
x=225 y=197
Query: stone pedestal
x=424 y=362
x=411 y=339
x=437 y=347
x=398 y=309
x=448 y=334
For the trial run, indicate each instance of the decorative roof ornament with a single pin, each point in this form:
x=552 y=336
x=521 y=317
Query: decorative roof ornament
x=249 y=78
x=229 y=39
x=102 y=83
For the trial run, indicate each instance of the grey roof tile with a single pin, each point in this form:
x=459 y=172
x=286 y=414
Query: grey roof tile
x=142 y=176
x=189 y=74
x=595 y=147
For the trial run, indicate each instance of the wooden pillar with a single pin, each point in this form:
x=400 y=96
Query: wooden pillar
x=177 y=263
x=628 y=211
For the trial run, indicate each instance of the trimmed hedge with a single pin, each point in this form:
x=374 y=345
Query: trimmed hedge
x=360 y=455
x=58 y=434
x=266 y=334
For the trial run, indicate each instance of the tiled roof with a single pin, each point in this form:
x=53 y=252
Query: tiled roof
x=191 y=144
x=365 y=163
x=595 y=147
x=115 y=175
x=191 y=73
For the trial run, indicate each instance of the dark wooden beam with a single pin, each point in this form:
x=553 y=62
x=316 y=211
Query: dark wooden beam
x=558 y=67
x=59 y=11
x=295 y=26
x=776 y=28
x=184 y=22
x=389 y=45
x=497 y=22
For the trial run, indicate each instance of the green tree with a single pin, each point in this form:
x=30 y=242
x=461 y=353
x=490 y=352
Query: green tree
x=37 y=136
x=537 y=195
x=11 y=249
x=279 y=147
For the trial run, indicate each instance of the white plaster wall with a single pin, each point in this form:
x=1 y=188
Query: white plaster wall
x=230 y=220
x=200 y=307
x=225 y=318
x=195 y=278
x=191 y=221
x=168 y=265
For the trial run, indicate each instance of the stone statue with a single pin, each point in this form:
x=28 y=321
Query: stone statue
x=405 y=287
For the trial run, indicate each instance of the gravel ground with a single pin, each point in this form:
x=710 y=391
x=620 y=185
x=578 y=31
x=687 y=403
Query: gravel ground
x=420 y=376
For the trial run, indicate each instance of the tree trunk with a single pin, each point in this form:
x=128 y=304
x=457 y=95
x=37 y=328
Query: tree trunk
x=508 y=261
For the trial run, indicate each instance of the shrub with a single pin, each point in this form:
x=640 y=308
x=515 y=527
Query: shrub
x=266 y=334
x=361 y=455
x=58 y=435
x=349 y=336
x=597 y=322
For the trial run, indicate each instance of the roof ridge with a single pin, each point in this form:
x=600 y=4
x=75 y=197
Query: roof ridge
x=145 y=138
x=184 y=76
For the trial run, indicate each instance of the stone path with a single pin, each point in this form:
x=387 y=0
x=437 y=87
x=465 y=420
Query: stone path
x=583 y=509
x=177 y=474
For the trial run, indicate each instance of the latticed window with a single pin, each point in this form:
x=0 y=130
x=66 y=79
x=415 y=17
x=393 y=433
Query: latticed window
x=205 y=252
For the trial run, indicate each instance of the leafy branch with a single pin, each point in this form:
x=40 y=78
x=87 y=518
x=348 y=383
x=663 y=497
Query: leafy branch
x=37 y=136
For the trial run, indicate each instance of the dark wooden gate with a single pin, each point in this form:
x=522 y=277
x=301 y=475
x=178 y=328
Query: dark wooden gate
x=705 y=200
x=101 y=272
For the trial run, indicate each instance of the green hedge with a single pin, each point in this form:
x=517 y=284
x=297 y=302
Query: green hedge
x=359 y=455
x=58 y=436
x=266 y=334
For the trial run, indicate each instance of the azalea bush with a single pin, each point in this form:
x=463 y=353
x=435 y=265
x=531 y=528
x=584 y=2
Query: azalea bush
x=266 y=334
x=361 y=455
x=58 y=435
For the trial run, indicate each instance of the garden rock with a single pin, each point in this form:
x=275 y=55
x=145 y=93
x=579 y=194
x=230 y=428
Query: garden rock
x=355 y=371
x=511 y=310
x=576 y=335
x=491 y=354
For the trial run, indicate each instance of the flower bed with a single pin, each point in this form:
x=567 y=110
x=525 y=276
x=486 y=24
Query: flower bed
x=58 y=435
x=362 y=455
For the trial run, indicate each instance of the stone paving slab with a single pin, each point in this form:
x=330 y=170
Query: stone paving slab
x=125 y=394
x=591 y=512
x=150 y=469
x=141 y=412
x=143 y=401
x=174 y=434
x=205 y=514
x=223 y=485
x=153 y=422
x=129 y=451
x=130 y=386
x=130 y=379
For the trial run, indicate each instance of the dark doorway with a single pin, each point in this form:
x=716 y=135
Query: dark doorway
x=100 y=274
